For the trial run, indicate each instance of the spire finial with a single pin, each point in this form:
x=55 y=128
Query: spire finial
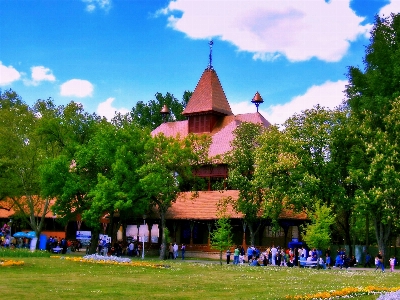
x=257 y=100
x=211 y=43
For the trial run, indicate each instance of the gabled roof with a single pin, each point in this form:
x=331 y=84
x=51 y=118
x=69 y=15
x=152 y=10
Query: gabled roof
x=208 y=96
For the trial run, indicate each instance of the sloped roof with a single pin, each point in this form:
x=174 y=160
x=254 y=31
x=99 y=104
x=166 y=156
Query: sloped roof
x=172 y=129
x=10 y=211
x=221 y=135
x=204 y=207
x=208 y=96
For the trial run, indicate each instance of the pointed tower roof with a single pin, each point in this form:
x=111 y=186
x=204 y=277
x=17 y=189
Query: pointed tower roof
x=208 y=96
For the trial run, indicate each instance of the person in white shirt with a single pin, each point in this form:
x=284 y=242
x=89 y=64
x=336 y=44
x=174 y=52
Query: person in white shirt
x=176 y=248
x=273 y=252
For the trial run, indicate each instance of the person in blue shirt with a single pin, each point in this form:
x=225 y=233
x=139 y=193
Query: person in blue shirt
x=339 y=261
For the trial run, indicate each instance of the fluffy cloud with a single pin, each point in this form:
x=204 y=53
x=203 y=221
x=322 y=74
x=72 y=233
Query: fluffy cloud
x=91 y=5
x=329 y=95
x=105 y=109
x=77 y=87
x=39 y=74
x=392 y=7
x=8 y=74
x=298 y=30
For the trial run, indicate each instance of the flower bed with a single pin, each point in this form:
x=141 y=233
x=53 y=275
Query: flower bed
x=9 y=262
x=111 y=260
x=345 y=293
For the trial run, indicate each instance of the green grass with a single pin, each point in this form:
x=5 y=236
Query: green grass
x=54 y=278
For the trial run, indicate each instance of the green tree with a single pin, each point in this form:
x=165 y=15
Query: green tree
x=69 y=176
x=317 y=234
x=280 y=174
x=22 y=151
x=118 y=190
x=241 y=161
x=148 y=114
x=170 y=163
x=221 y=236
x=371 y=95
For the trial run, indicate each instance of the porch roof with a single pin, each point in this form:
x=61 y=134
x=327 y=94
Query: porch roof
x=204 y=207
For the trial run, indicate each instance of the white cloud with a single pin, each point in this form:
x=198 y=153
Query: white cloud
x=328 y=95
x=105 y=109
x=298 y=30
x=392 y=7
x=77 y=87
x=39 y=74
x=91 y=5
x=8 y=74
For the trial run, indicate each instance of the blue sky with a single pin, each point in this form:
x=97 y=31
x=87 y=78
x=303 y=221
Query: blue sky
x=109 y=54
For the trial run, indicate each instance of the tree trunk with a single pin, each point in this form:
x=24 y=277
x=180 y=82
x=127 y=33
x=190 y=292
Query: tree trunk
x=220 y=258
x=163 y=239
x=382 y=232
x=94 y=240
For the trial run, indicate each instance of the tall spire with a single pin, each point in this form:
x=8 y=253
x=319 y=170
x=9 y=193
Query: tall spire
x=211 y=43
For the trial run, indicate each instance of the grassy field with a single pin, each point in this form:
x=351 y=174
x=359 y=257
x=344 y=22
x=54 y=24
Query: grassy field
x=55 y=278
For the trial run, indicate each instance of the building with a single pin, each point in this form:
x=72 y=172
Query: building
x=190 y=219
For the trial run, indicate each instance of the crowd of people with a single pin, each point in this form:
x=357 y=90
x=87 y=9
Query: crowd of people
x=62 y=245
x=277 y=256
x=173 y=251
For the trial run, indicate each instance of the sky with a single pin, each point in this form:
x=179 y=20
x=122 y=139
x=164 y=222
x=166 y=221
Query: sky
x=110 y=54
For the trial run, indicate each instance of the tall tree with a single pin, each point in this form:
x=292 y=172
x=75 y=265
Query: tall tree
x=118 y=191
x=241 y=161
x=371 y=95
x=22 y=150
x=169 y=165
x=72 y=173
x=148 y=114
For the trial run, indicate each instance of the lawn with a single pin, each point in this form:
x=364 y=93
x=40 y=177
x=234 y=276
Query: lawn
x=55 y=278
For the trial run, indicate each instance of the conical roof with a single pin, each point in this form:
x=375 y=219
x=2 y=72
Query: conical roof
x=208 y=96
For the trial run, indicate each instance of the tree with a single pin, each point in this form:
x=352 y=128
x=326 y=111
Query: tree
x=22 y=150
x=372 y=96
x=69 y=176
x=280 y=174
x=221 y=236
x=118 y=192
x=241 y=161
x=148 y=114
x=318 y=233
x=170 y=163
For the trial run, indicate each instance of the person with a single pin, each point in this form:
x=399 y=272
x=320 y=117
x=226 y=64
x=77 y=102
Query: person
x=367 y=260
x=328 y=260
x=241 y=259
x=170 y=251
x=352 y=262
x=236 y=253
x=321 y=263
x=228 y=256
x=183 y=249
x=130 y=248
x=255 y=263
x=249 y=254
x=274 y=251
x=380 y=261
x=175 y=250
x=392 y=262
x=339 y=261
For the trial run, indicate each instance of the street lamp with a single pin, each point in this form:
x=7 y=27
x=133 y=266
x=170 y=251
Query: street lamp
x=144 y=223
